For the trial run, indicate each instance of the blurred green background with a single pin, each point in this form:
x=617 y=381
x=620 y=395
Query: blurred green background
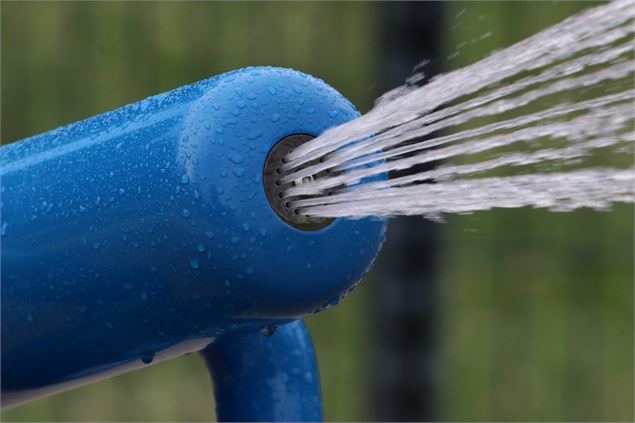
x=536 y=307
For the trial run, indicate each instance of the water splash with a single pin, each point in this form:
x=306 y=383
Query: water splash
x=547 y=122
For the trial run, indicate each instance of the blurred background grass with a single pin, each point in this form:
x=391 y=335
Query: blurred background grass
x=536 y=308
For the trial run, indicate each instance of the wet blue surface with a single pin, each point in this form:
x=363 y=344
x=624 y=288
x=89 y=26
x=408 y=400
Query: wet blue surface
x=266 y=378
x=144 y=233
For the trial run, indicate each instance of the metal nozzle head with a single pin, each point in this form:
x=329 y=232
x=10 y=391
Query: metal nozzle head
x=274 y=188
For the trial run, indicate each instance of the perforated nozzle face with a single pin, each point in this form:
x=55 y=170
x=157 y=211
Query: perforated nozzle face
x=274 y=189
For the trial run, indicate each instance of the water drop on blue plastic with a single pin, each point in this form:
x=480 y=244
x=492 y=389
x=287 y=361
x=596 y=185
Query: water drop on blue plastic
x=194 y=264
x=147 y=356
x=235 y=158
x=268 y=330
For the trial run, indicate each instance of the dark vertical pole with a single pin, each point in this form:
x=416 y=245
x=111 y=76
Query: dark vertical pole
x=406 y=305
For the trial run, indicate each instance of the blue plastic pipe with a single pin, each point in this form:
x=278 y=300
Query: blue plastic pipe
x=144 y=233
x=259 y=378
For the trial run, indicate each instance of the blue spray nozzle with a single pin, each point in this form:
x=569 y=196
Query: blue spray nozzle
x=147 y=232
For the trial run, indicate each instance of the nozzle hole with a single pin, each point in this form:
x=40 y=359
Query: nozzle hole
x=276 y=190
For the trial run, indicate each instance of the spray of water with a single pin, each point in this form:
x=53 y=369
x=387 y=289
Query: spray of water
x=547 y=122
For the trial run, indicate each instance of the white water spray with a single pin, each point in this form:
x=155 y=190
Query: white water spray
x=553 y=114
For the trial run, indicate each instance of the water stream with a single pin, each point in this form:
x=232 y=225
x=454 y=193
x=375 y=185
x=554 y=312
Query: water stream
x=547 y=123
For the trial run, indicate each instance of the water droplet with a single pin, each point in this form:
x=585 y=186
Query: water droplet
x=250 y=271
x=246 y=227
x=194 y=264
x=147 y=356
x=275 y=117
x=185 y=179
x=227 y=283
x=254 y=134
x=96 y=245
x=273 y=91
x=209 y=234
x=220 y=190
x=333 y=113
x=335 y=301
x=200 y=247
x=128 y=286
x=3 y=231
x=186 y=213
x=239 y=171
x=235 y=158
x=29 y=317
x=121 y=191
x=235 y=239
x=110 y=325
x=262 y=232
x=268 y=330
x=82 y=308
x=308 y=377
